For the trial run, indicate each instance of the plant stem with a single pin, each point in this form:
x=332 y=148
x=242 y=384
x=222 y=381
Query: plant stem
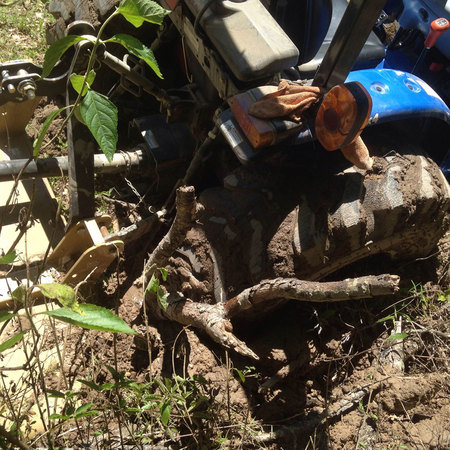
x=88 y=70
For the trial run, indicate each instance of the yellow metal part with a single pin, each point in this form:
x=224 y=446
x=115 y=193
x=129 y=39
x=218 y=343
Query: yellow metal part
x=27 y=198
x=83 y=252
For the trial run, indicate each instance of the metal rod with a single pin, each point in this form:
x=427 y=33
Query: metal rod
x=122 y=68
x=350 y=37
x=57 y=166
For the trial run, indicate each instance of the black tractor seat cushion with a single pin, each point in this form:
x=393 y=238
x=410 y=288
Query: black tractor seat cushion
x=306 y=22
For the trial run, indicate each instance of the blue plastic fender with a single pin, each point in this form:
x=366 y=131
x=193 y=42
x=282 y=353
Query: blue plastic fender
x=399 y=95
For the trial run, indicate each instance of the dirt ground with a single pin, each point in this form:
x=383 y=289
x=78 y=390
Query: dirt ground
x=326 y=377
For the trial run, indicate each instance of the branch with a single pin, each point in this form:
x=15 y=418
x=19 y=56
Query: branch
x=211 y=319
x=312 y=291
x=184 y=220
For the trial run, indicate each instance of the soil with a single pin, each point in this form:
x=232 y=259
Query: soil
x=314 y=360
x=325 y=378
x=328 y=376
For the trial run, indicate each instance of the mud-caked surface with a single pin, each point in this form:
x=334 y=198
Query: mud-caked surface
x=330 y=375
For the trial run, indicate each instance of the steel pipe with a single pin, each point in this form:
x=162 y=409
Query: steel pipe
x=58 y=166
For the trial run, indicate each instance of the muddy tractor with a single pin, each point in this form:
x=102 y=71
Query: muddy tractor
x=264 y=144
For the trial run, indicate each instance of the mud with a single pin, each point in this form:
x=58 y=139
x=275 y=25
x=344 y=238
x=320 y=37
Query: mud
x=323 y=380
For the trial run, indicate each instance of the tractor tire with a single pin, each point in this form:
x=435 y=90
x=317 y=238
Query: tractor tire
x=66 y=11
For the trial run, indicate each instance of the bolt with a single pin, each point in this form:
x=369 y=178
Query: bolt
x=27 y=88
x=11 y=88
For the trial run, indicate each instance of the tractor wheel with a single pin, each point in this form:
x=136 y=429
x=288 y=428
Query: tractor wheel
x=66 y=11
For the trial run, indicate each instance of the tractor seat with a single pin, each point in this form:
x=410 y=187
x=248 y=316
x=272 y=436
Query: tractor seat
x=311 y=25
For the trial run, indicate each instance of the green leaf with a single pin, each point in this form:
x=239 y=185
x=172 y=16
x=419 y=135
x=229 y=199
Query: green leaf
x=82 y=409
x=8 y=258
x=113 y=372
x=398 y=336
x=91 y=384
x=43 y=131
x=384 y=319
x=19 y=294
x=58 y=416
x=152 y=285
x=77 y=114
x=100 y=116
x=11 y=341
x=77 y=81
x=137 y=48
x=107 y=386
x=63 y=293
x=91 y=412
x=4 y=315
x=94 y=318
x=139 y=11
x=241 y=375
x=56 y=394
x=165 y=413
x=56 y=50
x=164 y=273
x=162 y=298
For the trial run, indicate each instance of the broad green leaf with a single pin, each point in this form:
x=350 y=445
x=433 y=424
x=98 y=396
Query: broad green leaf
x=8 y=258
x=100 y=116
x=137 y=48
x=77 y=81
x=107 y=386
x=398 y=336
x=4 y=315
x=19 y=294
x=43 y=131
x=165 y=413
x=94 y=318
x=56 y=50
x=139 y=11
x=63 y=293
x=11 y=341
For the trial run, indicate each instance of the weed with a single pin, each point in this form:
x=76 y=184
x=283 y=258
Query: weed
x=25 y=30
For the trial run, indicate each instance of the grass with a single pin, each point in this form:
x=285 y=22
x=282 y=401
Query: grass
x=22 y=31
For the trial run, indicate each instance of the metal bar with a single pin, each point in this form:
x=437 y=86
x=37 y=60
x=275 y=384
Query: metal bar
x=124 y=69
x=81 y=149
x=348 y=41
x=57 y=166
